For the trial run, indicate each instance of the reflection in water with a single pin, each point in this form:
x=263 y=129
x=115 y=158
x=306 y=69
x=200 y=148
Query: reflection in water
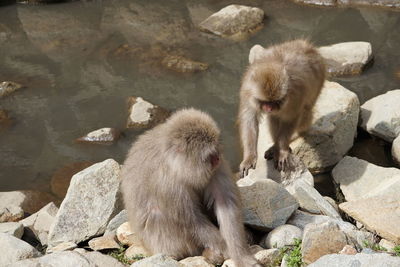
x=81 y=60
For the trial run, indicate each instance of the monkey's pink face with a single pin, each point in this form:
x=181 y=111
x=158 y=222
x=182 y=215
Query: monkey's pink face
x=270 y=106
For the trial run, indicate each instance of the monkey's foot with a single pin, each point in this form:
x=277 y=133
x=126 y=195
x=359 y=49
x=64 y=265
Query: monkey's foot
x=247 y=164
x=213 y=256
x=284 y=161
x=270 y=153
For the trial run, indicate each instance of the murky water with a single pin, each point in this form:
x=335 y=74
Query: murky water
x=80 y=61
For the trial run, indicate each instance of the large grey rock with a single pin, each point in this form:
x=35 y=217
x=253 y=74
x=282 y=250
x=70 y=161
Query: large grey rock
x=359 y=260
x=7 y=88
x=143 y=114
x=281 y=236
x=101 y=260
x=378 y=214
x=266 y=203
x=360 y=179
x=39 y=223
x=115 y=222
x=91 y=201
x=13 y=228
x=57 y=259
x=28 y=200
x=233 y=21
x=396 y=150
x=13 y=249
x=158 y=260
x=380 y=115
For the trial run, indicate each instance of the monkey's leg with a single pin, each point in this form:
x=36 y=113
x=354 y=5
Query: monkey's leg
x=273 y=126
x=284 y=133
x=305 y=120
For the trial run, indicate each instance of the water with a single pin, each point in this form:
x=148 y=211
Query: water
x=80 y=61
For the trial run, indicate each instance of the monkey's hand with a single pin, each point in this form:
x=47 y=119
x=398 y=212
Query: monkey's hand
x=283 y=162
x=249 y=162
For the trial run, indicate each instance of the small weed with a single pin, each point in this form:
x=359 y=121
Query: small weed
x=292 y=255
x=119 y=254
x=396 y=250
x=373 y=246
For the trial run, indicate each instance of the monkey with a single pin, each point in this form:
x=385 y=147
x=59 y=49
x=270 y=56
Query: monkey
x=174 y=182
x=283 y=82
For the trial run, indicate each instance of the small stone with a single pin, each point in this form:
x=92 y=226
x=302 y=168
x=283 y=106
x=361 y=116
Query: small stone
x=11 y=214
x=158 y=260
x=137 y=250
x=281 y=236
x=182 y=64
x=13 y=249
x=7 y=88
x=198 y=261
x=348 y=250
x=396 y=150
x=104 y=242
x=103 y=136
x=62 y=247
x=13 y=228
x=143 y=114
x=125 y=235
x=267 y=257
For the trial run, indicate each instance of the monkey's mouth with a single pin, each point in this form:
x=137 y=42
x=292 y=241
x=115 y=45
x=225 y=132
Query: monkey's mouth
x=269 y=106
x=214 y=160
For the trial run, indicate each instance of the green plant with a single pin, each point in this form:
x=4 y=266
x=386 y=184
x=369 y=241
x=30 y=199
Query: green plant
x=396 y=250
x=119 y=254
x=373 y=246
x=292 y=255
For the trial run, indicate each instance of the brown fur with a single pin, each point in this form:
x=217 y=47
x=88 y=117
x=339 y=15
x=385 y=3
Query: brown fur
x=170 y=188
x=292 y=73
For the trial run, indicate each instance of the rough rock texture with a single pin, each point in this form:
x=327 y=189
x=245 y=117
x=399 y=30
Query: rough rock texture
x=103 y=136
x=62 y=247
x=7 y=88
x=281 y=236
x=12 y=228
x=359 y=260
x=143 y=114
x=380 y=115
x=11 y=213
x=125 y=235
x=198 y=261
x=380 y=214
x=158 y=260
x=29 y=201
x=233 y=21
x=311 y=200
x=13 y=249
x=116 y=222
x=182 y=64
x=64 y=259
x=91 y=201
x=267 y=257
x=396 y=150
x=102 y=260
x=321 y=239
x=104 y=242
x=360 y=179
x=389 y=245
x=348 y=250
x=266 y=203
x=137 y=250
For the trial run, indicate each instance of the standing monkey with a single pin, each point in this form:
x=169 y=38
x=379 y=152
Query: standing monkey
x=173 y=178
x=284 y=82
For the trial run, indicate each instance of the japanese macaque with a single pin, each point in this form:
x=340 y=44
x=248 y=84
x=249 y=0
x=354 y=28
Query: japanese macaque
x=175 y=183
x=283 y=82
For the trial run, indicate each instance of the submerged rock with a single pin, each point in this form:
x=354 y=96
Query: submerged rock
x=7 y=88
x=233 y=21
x=359 y=260
x=380 y=115
x=103 y=136
x=143 y=114
x=13 y=249
x=182 y=64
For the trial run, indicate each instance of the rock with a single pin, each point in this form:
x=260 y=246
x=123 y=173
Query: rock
x=332 y=202
x=320 y=240
x=198 y=261
x=182 y=64
x=103 y=136
x=380 y=3
x=101 y=260
x=11 y=214
x=347 y=58
x=91 y=201
x=104 y=242
x=7 y=88
x=359 y=260
x=396 y=150
x=388 y=245
x=310 y=199
x=378 y=214
x=40 y=222
x=267 y=257
x=233 y=21
x=65 y=259
x=143 y=114
x=137 y=250
x=348 y=250
x=281 y=236
x=62 y=247
x=116 y=222
x=266 y=203
x=28 y=200
x=13 y=249
x=380 y=115
x=12 y=228
x=358 y=179
x=158 y=260
x=317 y=2
x=125 y=235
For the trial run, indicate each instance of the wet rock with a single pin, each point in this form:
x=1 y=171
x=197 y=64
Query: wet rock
x=62 y=247
x=91 y=201
x=317 y=2
x=65 y=259
x=359 y=260
x=311 y=200
x=281 y=236
x=104 y=242
x=101 y=260
x=11 y=214
x=143 y=114
x=115 y=222
x=29 y=201
x=198 y=261
x=360 y=179
x=159 y=260
x=267 y=257
x=396 y=150
x=39 y=223
x=137 y=250
x=233 y=21
x=7 y=88
x=320 y=240
x=13 y=249
x=266 y=203
x=380 y=3
x=378 y=214
x=125 y=235
x=103 y=136
x=380 y=116
x=348 y=250
x=12 y=228
x=182 y=64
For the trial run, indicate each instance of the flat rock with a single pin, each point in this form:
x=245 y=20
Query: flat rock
x=13 y=249
x=104 y=242
x=7 y=88
x=62 y=247
x=28 y=200
x=360 y=179
x=198 y=261
x=359 y=260
x=91 y=202
x=266 y=203
x=116 y=222
x=378 y=214
x=380 y=116
x=182 y=64
x=158 y=260
x=103 y=136
x=125 y=235
x=11 y=213
x=396 y=150
x=234 y=21
x=281 y=236
x=143 y=114
x=12 y=228
x=64 y=259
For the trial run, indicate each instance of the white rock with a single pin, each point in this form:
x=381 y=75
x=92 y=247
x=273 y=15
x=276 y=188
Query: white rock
x=64 y=259
x=11 y=213
x=13 y=228
x=91 y=201
x=359 y=260
x=281 y=236
x=332 y=202
x=101 y=136
x=158 y=260
x=125 y=235
x=198 y=261
x=28 y=200
x=13 y=249
x=266 y=203
x=144 y=114
x=104 y=242
x=380 y=115
x=396 y=150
